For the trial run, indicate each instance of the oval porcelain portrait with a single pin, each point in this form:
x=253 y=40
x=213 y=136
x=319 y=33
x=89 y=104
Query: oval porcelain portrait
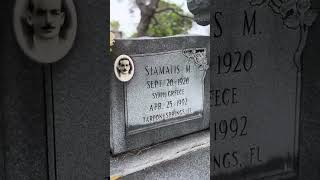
x=124 y=68
x=45 y=29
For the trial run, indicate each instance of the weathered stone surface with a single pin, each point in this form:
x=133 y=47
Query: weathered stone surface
x=181 y=158
x=192 y=166
x=80 y=87
x=54 y=117
x=256 y=80
x=2 y=174
x=129 y=97
x=310 y=126
x=22 y=104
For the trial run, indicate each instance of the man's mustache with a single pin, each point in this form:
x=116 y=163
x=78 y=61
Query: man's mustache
x=47 y=27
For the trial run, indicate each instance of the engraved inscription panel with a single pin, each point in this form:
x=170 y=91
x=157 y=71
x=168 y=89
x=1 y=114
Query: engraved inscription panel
x=255 y=92
x=167 y=88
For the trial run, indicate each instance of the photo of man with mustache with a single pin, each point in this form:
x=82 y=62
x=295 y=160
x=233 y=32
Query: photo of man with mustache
x=124 y=68
x=46 y=17
x=45 y=29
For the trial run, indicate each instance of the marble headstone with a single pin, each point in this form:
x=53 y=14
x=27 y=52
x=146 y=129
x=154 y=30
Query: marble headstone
x=168 y=95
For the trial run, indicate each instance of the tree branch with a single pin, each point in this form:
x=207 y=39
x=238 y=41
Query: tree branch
x=155 y=20
x=173 y=11
x=147 y=12
x=141 y=5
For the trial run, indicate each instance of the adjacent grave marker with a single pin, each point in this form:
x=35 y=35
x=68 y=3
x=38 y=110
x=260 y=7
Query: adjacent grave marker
x=53 y=116
x=256 y=81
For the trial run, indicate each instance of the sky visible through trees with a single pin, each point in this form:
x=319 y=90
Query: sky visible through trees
x=128 y=16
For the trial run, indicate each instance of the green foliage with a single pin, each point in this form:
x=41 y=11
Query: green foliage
x=170 y=22
x=115 y=25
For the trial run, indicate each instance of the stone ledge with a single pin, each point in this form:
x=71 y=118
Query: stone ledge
x=135 y=161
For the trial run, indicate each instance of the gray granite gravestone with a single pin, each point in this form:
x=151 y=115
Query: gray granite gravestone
x=168 y=94
x=310 y=115
x=256 y=87
x=2 y=155
x=54 y=116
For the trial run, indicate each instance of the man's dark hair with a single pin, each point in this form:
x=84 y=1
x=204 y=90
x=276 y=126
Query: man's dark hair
x=31 y=5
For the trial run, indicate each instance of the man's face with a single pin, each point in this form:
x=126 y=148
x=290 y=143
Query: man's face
x=124 y=66
x=46 y=18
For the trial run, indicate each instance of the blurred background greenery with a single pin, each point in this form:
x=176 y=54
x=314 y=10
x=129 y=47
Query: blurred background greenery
x=155 y=18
